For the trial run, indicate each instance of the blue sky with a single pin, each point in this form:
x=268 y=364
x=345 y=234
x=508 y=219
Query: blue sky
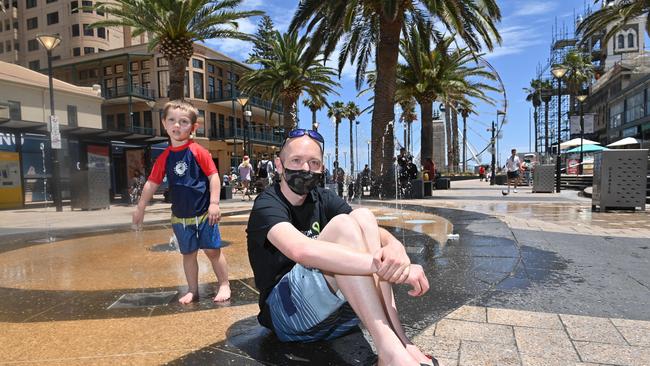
x=526 y=29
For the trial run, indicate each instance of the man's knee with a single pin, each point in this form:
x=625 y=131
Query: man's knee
x=343 y=229
x=364 y=216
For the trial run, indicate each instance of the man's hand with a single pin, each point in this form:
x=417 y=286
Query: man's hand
x=417 y=280
x=214 y=213
x=395 y=263
x=138 y=216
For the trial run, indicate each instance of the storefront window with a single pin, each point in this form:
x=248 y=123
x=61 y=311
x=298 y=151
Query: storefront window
x=634 y=107
x=616 y=114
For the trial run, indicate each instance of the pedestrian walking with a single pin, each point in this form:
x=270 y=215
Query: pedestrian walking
x=245 y=172
x=513 y=168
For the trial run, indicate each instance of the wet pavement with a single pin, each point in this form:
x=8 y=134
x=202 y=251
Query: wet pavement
x=527 y=271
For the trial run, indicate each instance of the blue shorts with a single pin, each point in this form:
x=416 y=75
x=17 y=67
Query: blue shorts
x=304 y=309
x=194 y=233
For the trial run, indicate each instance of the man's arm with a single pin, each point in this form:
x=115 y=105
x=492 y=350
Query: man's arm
x=395 y=263
x=326 y=256
x=214 y=213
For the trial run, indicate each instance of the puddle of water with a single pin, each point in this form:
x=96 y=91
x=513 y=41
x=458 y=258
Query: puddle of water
x=416 y=222
x=147 y=299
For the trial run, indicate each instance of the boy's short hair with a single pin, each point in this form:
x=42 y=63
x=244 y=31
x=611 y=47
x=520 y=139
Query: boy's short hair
x=184 y=106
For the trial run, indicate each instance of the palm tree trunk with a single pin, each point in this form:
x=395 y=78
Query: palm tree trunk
x=454 y=139
x=351 y=150
x=383 y=112
x=289 y=109
x=546 y=150
x=448 y=135
x=336 y=141
x=177 y=67
x=313 y=118
x=426 y=134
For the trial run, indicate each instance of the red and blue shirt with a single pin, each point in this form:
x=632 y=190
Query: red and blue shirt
x=188 y=168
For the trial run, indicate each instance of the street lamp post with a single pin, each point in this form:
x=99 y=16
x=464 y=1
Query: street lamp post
x=49 y=42
x=242 y=100
x=581 y=98
x=465 y=113
x=315 y=125
x=558 y=71
x=369 y=163
x=493 y=162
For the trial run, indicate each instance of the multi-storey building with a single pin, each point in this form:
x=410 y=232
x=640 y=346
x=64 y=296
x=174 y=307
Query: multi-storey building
x=23 y=20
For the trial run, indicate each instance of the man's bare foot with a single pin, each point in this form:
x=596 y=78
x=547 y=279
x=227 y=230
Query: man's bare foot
x=223 y=294
x=188 y=298
x=415 y=352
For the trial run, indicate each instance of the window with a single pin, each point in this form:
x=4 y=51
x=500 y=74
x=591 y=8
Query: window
x=8 y=46
x=32 y=45
x=108 y=70
x=14 y=110
x=197 y=64
x=634 y=108
x=72 y=116
x=30 y=4
x=121 y=121
x=146 y=64
x=32 y=23
x=162 y=62
x=101 y=32
x=15 y=25
x=92 y=73
x=222 y=125
x=148 y=119
x=630 y=40
x=186 y=85
x=88 y=31
x=135 y=120
x=211 y=90
x=616 y=114
x=213 y=124
x=220 y=71
x=119 y=68
x=146 y=80
x=88 y=50
x=200 y=131
x=211 y=68
x=621 y=41
x=219 y=88
x=135 y=66
x=110 y=122
x=163 y=83
x=135 y=80
x=74 y=7
x=198 y=85
x=76 y=51
x=75 y=30
x=33 y=65
x=119 y=82
x=2 y=47
x=17 y=46
x=83 y=74
x=50 y=1
x=53 y=18
x=87 y=4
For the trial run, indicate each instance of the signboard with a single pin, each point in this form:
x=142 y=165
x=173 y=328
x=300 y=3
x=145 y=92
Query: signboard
x=55 y=134
x=588 y=120
x=11 y=193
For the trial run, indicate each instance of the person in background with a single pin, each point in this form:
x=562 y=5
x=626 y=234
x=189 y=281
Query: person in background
x=245 y=172
x=481 y=173
x=513 y=169
x=339 y=178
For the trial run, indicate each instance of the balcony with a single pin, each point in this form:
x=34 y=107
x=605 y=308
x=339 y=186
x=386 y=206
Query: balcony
x=267 y=136
x=227 y=95
x=139 y=130
x=124 y=91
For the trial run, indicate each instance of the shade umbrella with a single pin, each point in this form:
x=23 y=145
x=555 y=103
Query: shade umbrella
x=624 y=142
x=586 y=149
x=576 y=142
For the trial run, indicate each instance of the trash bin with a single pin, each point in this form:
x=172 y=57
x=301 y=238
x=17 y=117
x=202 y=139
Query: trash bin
x=443 y=183
x=226 y=193
x=90 y=190
x=620 y=179
x=428 y=188
x=544 y=178
x=416 y=189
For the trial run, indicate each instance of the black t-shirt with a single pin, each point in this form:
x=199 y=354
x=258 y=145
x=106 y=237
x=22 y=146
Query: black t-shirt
x=271 y=208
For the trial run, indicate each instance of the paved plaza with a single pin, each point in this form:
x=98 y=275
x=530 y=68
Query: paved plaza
x=533 y=279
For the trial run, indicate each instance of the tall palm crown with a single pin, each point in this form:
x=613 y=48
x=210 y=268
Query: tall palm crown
x=579 y=70
x=534 y=92
x=288 y=74
x=352 y=111
x=336 y=110
x=315 y=103
x=374 y=27
x=174 y=25
x=616 y=14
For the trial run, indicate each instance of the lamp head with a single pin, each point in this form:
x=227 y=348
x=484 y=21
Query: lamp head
x=242 y=100
x=559 y=71
x=49 y=41
x=581 y=98
x=315 y=125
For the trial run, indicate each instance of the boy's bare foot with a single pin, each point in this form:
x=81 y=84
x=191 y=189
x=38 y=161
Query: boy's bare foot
x=188 y=298
x=415 y=352
x=223 y=294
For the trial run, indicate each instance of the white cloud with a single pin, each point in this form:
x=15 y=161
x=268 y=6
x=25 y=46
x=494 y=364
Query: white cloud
x=516 y=39
x=534 y=8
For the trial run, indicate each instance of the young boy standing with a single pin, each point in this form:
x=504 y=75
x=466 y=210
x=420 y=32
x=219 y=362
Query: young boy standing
x=194 y=189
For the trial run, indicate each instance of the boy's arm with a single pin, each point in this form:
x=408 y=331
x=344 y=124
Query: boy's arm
x=146 y=196
x=214 y=213
x=326 y=256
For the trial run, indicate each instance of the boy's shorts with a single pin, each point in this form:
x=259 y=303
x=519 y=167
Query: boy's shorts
x=304 y=309
x=194 y=233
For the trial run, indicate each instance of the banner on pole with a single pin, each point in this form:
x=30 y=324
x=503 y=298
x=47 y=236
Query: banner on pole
x=55 y=133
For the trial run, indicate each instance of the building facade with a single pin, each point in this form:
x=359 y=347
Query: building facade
x=23 y=20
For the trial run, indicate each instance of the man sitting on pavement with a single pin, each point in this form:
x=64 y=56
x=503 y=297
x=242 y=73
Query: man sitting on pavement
x=322 y=267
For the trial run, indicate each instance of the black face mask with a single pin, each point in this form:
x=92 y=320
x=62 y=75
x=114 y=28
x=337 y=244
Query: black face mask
x=301 y=182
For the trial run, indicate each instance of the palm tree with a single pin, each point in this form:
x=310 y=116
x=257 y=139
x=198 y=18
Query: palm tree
x=615 y=14
x=408 y=117
x=366 y=25
x=352 y=111
x=315 y=104
x=534 y=96
x=336 y=110
x=174 y=25
x=288 y=74
x=579 y=71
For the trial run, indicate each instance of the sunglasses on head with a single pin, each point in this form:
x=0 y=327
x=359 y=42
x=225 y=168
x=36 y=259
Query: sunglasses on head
x=299 y=132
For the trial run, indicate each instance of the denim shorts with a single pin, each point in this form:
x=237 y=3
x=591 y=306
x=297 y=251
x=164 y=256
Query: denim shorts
x=304 y=309
x=196 y=233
